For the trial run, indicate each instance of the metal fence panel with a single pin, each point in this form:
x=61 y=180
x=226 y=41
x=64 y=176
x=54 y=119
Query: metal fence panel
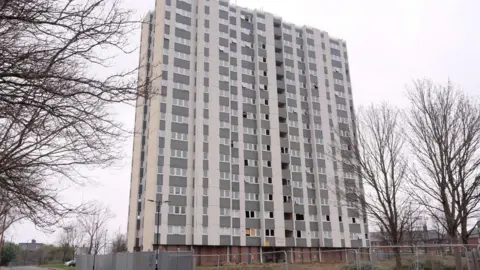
x=105 y=262
x=130 y=262
x=121 y=261
x=144 y=260
x=180 y=260
x=81 y=262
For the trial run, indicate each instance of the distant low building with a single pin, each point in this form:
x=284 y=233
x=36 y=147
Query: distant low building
x=81 y=251
x=415 y=237
x=474 y=238
x=31 y=246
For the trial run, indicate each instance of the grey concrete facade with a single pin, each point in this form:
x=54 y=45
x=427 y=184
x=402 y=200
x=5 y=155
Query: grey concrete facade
x=239 y=138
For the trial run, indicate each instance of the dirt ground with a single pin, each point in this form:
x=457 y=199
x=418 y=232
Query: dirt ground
x=316 y=266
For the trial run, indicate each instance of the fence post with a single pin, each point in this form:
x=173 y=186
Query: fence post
x=356 y=259
x=218 y=261
x=417 y=263
x=292 y=256
x=373 y=256
x=261 y=256
x=249 y=261
x=285 y=260
x=466 y=257
x=319 y=255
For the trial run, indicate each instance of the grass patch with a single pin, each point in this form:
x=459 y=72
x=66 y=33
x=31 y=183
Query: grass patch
x=57 y=266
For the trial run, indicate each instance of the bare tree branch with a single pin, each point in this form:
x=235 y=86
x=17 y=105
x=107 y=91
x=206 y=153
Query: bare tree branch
x=118 y=243
x=94 y=226
x=445 y=140
x=56 y=89
x=376 y=155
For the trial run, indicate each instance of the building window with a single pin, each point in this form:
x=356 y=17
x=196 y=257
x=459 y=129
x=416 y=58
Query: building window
x=178 y=172
x=250 y=162
x=224 y=212
x=225 y=231
x=251 y=196
x=176 y=210
x=252 y=232
x=176 y=229
x=269 y=232
x=224 y=193
x=177 y=190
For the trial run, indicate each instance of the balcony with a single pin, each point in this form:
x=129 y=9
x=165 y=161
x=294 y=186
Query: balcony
x=287 y=206
x=280 y=71
x=279 y=58
x=289 y=225
x=278 y=45
x=289 y=241
x=277 y=33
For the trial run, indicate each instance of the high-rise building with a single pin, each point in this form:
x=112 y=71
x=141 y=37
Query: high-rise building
x=236 y=146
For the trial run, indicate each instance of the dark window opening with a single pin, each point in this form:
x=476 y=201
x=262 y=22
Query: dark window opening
x=299 y=217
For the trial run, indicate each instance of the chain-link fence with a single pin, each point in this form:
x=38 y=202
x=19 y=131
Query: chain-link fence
x=137 y=261
x=250 y=261
x=378 y=257
x=417 y=257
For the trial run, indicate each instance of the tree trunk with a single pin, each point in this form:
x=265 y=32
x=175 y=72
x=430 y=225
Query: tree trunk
x=456 y=253
x=398 y=258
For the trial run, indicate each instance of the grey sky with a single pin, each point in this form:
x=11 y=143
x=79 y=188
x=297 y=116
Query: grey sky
x=389 y=44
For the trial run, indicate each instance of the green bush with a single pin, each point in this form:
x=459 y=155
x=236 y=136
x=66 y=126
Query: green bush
x=431 y=264
x=428 y=264
x=10 y=251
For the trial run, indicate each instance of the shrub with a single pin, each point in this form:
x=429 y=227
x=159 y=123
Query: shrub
x=428 y=264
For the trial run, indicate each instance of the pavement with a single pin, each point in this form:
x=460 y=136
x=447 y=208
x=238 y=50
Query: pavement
x=23 y=268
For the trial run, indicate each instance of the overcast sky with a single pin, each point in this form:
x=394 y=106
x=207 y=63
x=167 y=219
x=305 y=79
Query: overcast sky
x=390 y=43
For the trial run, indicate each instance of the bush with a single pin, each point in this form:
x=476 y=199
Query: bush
x=9 y=252
x=431 y=264
x=428 y=264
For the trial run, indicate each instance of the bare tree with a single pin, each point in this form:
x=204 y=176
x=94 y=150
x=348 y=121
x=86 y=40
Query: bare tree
x=445 y=140
x=8 y=215
x=70 y=239
x=119 y=243
x=376 y=154
x=439 y=228
x=94 y=226
x=64 y=243
x=56 y=89
x=414 y=230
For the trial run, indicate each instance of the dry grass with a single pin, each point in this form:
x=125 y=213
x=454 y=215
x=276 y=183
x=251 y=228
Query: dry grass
x=386 y=264
x=277 y=266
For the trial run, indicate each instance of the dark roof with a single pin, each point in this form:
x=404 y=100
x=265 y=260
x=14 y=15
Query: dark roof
x=475 y=232
x=31 y=245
